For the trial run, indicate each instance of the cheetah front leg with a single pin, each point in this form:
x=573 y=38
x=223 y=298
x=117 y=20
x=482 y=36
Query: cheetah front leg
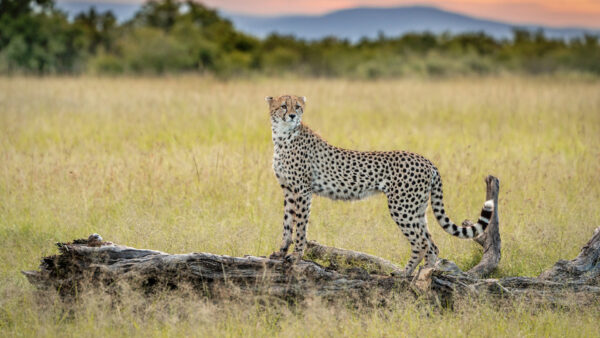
x=289 y=214
x=303 y=204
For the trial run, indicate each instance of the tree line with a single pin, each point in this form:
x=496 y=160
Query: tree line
x=173 y=36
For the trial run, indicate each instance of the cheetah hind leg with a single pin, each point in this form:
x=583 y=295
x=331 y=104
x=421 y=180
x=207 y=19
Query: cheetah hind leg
x=431 y=256
x=419 y=250
x=419 y=243
x=416 y=258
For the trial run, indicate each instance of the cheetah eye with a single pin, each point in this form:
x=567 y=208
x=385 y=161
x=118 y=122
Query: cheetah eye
x=298 y=107
x=284 y=107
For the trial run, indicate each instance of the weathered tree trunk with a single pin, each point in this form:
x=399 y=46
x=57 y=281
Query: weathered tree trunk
x=490 y=240
x=95 y=263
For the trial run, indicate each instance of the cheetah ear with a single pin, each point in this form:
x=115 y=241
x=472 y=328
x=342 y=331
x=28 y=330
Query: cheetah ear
x=269 y=99
x=303 y=98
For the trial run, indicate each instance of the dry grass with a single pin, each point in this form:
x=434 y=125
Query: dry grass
x=184 y=164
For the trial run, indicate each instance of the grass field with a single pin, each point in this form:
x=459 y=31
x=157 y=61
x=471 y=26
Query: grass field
x=183 y=164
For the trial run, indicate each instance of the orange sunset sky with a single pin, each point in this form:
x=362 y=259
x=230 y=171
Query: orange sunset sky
x=550 y=12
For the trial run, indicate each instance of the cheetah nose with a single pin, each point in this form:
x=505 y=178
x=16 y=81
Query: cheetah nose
x=292 y=116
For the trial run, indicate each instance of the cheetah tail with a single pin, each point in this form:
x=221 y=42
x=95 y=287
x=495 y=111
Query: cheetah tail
x=470 y=231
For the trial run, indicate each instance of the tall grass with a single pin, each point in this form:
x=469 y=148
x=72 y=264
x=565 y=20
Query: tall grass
x=183 y=164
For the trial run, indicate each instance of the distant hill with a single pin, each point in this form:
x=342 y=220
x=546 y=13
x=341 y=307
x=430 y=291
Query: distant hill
x=355 y=23
x=361 y=22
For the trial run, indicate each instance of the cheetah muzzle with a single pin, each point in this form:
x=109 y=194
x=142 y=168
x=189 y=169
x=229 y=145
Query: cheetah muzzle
x=306 y=165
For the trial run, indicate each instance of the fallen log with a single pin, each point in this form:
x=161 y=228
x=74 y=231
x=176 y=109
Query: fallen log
x=333 y=273
x=94 y=263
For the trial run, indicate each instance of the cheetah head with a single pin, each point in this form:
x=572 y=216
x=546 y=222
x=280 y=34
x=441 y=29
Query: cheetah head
x=286 y=111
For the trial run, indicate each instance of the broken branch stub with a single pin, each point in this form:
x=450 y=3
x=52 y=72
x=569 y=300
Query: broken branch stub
x=490 y=240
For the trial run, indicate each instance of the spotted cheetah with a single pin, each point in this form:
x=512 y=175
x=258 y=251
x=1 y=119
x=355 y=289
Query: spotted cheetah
x=306 y=165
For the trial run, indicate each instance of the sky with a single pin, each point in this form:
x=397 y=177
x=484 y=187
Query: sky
x=581 y=13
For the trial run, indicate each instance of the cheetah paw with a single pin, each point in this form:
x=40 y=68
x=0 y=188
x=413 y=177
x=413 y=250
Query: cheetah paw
x=278 y=255
x=293 y=258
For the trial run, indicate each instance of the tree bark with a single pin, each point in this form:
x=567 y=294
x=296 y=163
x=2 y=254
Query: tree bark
x=490 y=240
x=104 y=264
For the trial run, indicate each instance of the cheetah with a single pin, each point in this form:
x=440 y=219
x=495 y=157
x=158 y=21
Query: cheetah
x=306 y=165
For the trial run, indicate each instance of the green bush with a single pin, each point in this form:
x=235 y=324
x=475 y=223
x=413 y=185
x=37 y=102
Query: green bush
x=149 y=50
x=106 y=64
